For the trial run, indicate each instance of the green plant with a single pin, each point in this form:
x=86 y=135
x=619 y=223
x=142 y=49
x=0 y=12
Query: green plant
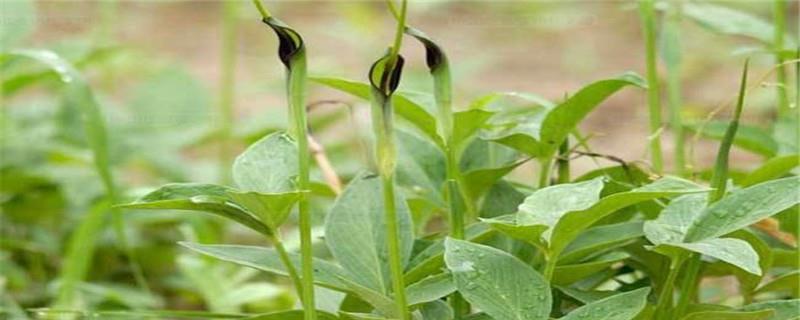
x=293 y=55
x=438 y=225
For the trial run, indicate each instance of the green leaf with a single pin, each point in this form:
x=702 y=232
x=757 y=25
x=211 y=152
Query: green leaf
x=501 y=199
x=719 y=177
x=507 y=224
x=750 y=138
x=598 y=240
x=408 y=109
x=734 y=251
x=673 y=222
x=360 y=316
x=789 y=282
x=431 y=260
x=267 y=166
x=543 y=138
x=585 y=296
x=292 y=315
x=546 y=206
x=478 y=181
x=431 y=288
x=355 y=233
x=436 y=310
x=729 y=315
x=382 y=303
x=326 y=274
x=271 y=208
x=208 y=198
x=420 y=167
x=623 y=306
x=496 y=282
x=573 y=223
x=784 y=309
x=744 y=207
x=725 y=20
x=772 y=169
x=467 y=123
x=570 y=273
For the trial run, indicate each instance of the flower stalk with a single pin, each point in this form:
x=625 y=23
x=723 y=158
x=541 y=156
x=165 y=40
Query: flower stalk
x=384 y=77
x=292 y=54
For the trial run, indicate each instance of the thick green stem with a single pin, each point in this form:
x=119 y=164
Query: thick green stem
x=647 y=13
x=544 y=172
x=688 y=286
x=283 y=255
x=295 y=90
x=665 y=297
x=300 y=132
x=395 y=262
x=383 y=124
x=672 y=59
x=551 y=258
x=226 y=87
x=779 y=15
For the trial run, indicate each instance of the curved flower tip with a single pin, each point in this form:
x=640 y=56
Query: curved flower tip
x=434 y=55
x=384 y=75
x=291 y=43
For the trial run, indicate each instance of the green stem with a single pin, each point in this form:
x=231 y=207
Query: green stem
x=665 y=297
x=688 y=285
x=387 y=157
x=226 y=86
x=563 y=162
x=647 y=13
x=779 y=15
x=544 y=172
x=398 y=35
x=264 y=12
x=300 y=131
x=550 y=265
x=395 y=262
x=673 y=64
x=284 y=256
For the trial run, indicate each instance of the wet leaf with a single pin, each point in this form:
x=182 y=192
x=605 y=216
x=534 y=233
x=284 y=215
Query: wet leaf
x=744 y=207
x=623 y=306
x=496 y=282
x=355 y=233
x=268 y=166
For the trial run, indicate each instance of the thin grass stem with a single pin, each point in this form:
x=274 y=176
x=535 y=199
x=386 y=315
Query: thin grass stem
x=647 y=13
